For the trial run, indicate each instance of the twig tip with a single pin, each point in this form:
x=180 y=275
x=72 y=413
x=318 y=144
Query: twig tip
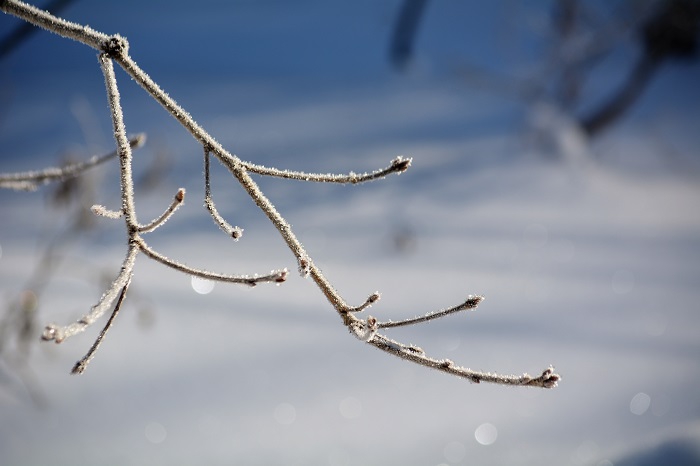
x=52 y=332
x=473 y=301
x=180 y=195
x=79 y=367
x=550 y=379
x=236 y=233
x=401 y=164
x=281 y=276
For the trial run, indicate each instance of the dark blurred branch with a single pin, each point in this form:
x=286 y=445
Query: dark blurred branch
x=25 y=30
x=619 y=103
x=670 y=33
x=401 y=48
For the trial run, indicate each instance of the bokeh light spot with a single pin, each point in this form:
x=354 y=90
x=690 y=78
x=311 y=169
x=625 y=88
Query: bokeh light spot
x=640 y=403
x=486 y=433
x=202 y=286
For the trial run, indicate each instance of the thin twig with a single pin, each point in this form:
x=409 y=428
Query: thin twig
x=46 y=20
x=60 y=333
x=234 y=232
x=398 y=165
x=81 y=365
x=548 y=378
x=30 y=181
x=471 y=303
x=172 y=208
x=276 y=276
x=103 y=211
x=371 y=299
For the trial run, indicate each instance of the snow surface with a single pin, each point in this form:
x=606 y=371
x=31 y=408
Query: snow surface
x=588 y=253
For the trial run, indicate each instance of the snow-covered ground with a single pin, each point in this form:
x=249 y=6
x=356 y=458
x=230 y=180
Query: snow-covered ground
x=588 y=253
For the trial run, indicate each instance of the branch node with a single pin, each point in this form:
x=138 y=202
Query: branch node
x=364 y=330
x=447 y=363
x=304 y=266
x=116 y=46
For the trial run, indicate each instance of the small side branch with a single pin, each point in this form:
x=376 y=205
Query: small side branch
x=471 y=303
x=31 y=180
x=276 y=276
x=233 y=232
x=103 y=211
x=60 y=333
x=548 y=378
x=398 y=165
x=81 y=365
x=177 y=202
x=371 y=299
x=367 y=330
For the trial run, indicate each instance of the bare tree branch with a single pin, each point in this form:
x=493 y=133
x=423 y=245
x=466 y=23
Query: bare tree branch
x=81 y=365
x=31 y=180
x=398 y=165
x=116 y=49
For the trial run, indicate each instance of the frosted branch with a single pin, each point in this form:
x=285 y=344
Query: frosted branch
x=81 y=365
x=548 y=378
x=46 y=20
x=60 y=333
x=233 y=232
x=471 y=303
x=103 y=211
x=174 y=205
x=31 y=180
x=123 y=147
x=276 y=276
x=371 y=299
x=398 y=165
x=116 y=49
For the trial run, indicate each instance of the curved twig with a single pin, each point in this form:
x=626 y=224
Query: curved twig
x=30 y=180
x=548 y=378
x=81 y=365
x=471 y=303
x=233 y=232
x=172 y=208
x=60 y=333
x=276 y=276
x=398 y=165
